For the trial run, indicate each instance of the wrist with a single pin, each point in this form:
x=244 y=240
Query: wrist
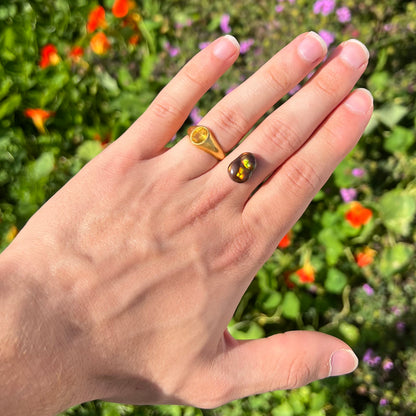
x=38 y=372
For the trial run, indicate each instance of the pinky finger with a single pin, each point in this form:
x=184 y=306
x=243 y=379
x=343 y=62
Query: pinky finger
x=295 y=183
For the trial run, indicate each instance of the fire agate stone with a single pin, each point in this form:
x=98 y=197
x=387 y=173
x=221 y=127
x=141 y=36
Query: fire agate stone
x=241 y=169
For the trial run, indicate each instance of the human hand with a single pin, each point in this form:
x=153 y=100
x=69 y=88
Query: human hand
x=122 y=285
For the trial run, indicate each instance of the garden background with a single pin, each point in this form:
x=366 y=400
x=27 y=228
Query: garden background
x=74 y=74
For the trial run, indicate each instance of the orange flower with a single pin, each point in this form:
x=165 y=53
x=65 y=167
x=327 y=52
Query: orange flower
x=96 y=19
x=365 y=257
x=120 y=8
x=285 y=241
x=76 y=53
x=134 y=40
x=306 y=273
x=49 y=56
x=99 y=43
x=357 y=215
x=38 y=117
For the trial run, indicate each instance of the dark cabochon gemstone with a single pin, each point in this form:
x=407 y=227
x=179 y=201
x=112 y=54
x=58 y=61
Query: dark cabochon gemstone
x=241 y=169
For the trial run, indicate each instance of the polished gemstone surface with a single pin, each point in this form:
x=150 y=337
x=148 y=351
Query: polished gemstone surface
x=241 y=169
x=199 y=134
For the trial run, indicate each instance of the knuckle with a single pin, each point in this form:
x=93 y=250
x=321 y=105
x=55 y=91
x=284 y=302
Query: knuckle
x=196 y=75
x=280 y=135
x=278 y=78
x=302 y=177
x=328 y=83
x=167 y=107
x=230 y=120
x=298 y=374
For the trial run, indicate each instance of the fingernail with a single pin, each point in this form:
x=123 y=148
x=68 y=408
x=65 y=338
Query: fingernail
x=359 y=101
x=312 y=48
x=342 y=362
x=354 y=53
x=226 y=47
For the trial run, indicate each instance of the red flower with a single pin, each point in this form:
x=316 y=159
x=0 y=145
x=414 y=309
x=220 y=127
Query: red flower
x=120 y=8
x=49 y=56
x=306 y=273
x=365 y=257
x=99 y=43
x=76 y=53
x=357 y=215
x=96 y=19
x=38 y=117
x=285 y=241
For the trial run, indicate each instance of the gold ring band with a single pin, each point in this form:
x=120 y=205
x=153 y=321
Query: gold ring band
x=205 y=139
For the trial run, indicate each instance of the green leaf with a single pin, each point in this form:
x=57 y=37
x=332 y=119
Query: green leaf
x=399 y=140
x=283 y=410
x=395 y=258
x=250 y=330
x=397 y=210
x=5 y=84
x=291 y=306
x=318 y=400
x=41 y=167
x=271 y=300
x=390 y=114
x=333 y=246
x=335 y=281
x=349 y=332
x=108 y=83
x=88 y=150
x=9 y=105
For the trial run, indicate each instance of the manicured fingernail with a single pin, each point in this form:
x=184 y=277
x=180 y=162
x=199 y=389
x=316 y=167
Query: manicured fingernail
x=342 y=362
x=226 y=47
x=359 y=101
x=312 y=48
x=354 y=53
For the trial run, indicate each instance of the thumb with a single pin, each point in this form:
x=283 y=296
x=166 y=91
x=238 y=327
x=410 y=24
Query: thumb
x=283 y=361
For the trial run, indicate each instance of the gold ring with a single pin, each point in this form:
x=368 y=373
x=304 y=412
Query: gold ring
x=205 y=139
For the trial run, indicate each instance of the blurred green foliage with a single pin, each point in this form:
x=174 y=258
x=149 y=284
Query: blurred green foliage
x=362 y=287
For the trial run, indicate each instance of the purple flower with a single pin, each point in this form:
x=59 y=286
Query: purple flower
x=371 y=359
x=173 y=51
x=396 y=310
x=294 y=90
x=203 y=45
x=348 y=194
x=383 y=401
x=245 y=45
x=279 y=8
x=401 y=327
x=388 y=365
x=343 y=14
x=224 y=23
x=368 y=289
x=325 y=7
x=327 y=36
x=195 y=115
x=232 y=88
x=358 y=172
